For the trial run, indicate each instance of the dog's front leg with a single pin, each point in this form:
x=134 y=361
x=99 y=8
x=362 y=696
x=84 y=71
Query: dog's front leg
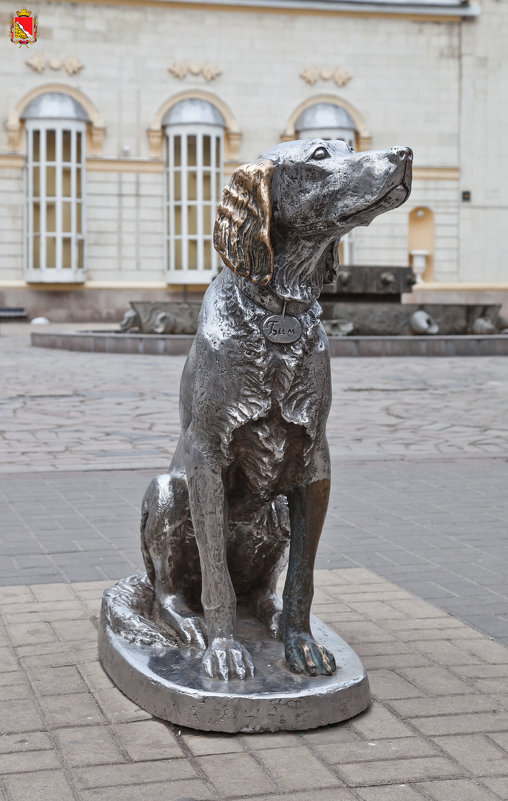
x=225 y=658
x=307 y=509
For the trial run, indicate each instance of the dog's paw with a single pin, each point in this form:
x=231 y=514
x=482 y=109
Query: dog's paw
x=305 y=655
x=227 y=659
x=268 y=610
x=192 y=631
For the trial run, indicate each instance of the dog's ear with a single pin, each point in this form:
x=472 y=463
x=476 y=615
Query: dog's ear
x=241 y=234
x=330 y=262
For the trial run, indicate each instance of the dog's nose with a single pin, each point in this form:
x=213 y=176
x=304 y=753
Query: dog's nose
x=398 y=154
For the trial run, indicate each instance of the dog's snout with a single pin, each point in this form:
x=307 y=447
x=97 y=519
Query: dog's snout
x=398 y=154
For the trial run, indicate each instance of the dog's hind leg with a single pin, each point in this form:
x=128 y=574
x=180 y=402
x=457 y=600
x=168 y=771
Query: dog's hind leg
x=171 y=557
x=257 y=554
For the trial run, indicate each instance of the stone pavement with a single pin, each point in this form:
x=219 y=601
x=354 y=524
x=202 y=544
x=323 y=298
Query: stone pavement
x=437 y=730
x=420 y=477
x=420 y=469
x=75 y=411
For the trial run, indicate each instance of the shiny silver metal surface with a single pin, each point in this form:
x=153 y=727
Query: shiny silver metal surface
x=250 y=477
x=54 y=105
x=193 y=110
x=168 y=682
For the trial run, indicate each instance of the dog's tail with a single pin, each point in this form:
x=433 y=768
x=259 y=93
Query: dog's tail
x=147 y=559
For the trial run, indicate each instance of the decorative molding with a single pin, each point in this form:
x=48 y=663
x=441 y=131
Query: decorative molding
x=436 y=173
x=124 y=165
x=363 y=137
x=12 y=162
x=312 y=75
x=180 y=70
x=15 y=126
x=232 y=137
x=71 y=64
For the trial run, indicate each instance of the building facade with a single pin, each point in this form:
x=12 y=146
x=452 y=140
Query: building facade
x=123 y=122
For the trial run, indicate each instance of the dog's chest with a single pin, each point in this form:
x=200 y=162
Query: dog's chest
x=269 y=453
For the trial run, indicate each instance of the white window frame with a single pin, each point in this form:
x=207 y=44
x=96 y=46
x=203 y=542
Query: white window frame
x=56 y=273
x=183 y=274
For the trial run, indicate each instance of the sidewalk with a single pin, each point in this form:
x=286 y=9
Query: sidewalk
x=438 y=727
x=419 y=505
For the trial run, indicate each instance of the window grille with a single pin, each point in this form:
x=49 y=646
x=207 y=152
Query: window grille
x=55 y=197
x=193 y=188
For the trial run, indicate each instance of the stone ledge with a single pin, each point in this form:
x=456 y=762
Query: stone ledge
x=179 y=344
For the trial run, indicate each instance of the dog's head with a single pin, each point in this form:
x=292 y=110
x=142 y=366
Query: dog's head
x=291 y=207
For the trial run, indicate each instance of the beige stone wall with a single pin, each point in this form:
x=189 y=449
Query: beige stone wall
x=483 y=157
x=406 y=84
x=11 y=224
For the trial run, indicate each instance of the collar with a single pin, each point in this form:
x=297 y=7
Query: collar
x=268 y=300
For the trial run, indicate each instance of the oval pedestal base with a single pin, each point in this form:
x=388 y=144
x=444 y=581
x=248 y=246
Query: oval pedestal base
x=166 y=679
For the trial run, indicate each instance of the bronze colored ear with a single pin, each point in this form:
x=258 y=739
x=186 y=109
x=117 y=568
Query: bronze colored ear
x=241 y=234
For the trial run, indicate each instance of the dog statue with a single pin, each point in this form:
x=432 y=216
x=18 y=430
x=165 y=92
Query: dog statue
x=250 y=477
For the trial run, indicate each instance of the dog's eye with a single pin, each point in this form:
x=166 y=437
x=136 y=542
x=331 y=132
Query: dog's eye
x=320 y=153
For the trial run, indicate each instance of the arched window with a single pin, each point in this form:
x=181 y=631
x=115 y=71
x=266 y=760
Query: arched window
x=55 y=127
x=194 y=131
x=328 y=121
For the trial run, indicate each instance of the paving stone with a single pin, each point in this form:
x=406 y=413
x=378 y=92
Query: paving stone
x=13 y=686
x=147 y=739
x=462 y=724
x=29 y=741
x=386 y=684
x=236 y=775
x=19 y=716
x=71 y=630
x=9 y=595
x=501 y=738
x=326 y=735
x=297 y=769
x=393 y=793
x=53 y=592
x=95 y=676
x=449 y=654
x=139 y=773
x=497 y=786
x=40 y=786
x=30 y=634
x=458 y=790
x=476 y=753
x=88 y=745
x=423 y=707
x=18 y=762
x=336 y=794
x=160 y=791
x=395 y=661
x=282 y=739
x=367 y=751
x=397 y=771
x=65 y=710
x=497 y=686
x=212 y=743
x=491 y=652
x=117 y=708
x=379 y=723
x=58 y=680
x=437 y=680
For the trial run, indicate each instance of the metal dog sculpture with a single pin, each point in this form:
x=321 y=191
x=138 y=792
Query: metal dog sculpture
x=251 y=471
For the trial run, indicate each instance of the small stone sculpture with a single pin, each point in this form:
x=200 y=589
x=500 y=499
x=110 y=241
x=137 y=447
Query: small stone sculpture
x=250 y=477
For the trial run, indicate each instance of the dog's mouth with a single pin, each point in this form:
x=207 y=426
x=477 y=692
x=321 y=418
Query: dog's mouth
x=391 y=199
